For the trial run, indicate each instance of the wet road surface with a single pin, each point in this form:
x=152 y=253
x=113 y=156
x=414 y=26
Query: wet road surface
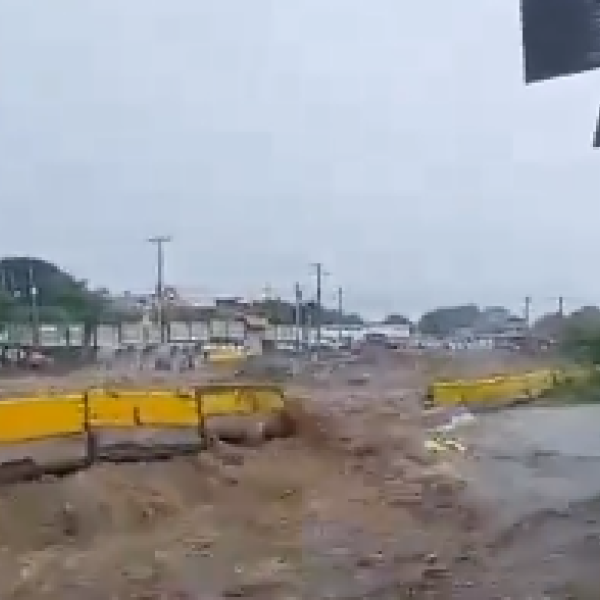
x=538 y=469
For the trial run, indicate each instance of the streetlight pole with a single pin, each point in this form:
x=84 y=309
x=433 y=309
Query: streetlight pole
x=159 y=241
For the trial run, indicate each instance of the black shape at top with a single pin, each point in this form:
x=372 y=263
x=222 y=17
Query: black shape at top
x=560 y=37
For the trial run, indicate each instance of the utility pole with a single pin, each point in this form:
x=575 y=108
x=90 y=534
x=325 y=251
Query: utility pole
x=35 y=317
x=527 y=318
x=561 y=306
x=527 y=311
x=340 y=307
x=159 y=241
x=319 y=308
x=298 y=317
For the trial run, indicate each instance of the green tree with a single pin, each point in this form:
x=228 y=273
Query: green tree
x=7 y=306
x=580 y=335
x=82 y=306
x=446 y=320
x=59 y=297
x=281 y=312
x=396 y=319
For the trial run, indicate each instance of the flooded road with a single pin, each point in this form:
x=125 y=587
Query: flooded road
x=533 y=458
x=538 y=469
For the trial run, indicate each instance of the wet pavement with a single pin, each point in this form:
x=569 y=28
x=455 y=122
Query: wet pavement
x=538 y=470
x=530 y=459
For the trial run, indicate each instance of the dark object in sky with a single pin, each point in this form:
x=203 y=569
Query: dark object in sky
x=597 y=134
x=560 y=37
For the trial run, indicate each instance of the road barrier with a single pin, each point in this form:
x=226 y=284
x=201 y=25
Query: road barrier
x=26 y=419
x=52 y=432
x=227 y=356
x=502 y=388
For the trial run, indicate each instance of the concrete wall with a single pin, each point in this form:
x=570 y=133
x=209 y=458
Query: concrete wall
x=113 y=336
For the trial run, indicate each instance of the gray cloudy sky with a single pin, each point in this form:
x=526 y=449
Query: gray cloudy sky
x=392 y=139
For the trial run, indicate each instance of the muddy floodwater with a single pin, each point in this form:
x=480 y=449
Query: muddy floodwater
x=538 y=469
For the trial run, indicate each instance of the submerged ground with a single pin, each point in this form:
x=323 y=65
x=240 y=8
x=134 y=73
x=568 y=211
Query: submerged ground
x=538 y=469
x=353 y=507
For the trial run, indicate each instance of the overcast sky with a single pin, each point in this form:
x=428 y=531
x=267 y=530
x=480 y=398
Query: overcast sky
x=394 y=140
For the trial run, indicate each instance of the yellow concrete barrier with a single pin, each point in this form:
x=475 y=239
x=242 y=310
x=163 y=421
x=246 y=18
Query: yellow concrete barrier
x=44 y=416
x=488 y=390
x=30 y=419
x=512 y=386
x=134 y=408
x=169 y=410
x=447 y=392
x=110 y=409
x=126 y=424
x=226 y=355
x=239 y=399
